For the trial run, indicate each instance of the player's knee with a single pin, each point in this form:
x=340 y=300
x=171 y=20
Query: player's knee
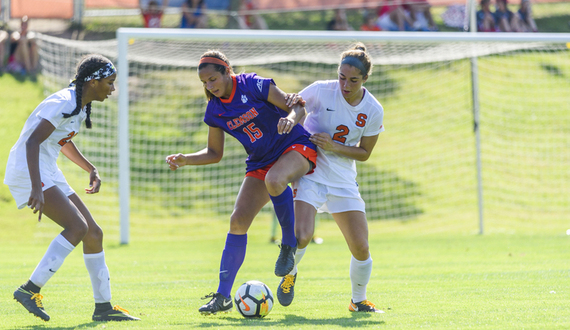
x=78 y=230
x=303 y=238
x=361 y=251
x=275 y=185
x=239 y=223
x=95 y=234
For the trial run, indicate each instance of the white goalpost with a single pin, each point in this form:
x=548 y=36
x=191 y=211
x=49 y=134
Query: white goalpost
x=427 y=165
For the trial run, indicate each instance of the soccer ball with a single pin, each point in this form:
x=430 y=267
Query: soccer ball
x=254 y=299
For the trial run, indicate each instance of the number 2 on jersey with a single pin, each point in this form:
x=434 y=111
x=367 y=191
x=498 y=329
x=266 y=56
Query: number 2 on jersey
x=63 y=141
x=253 y=132
x=343 y=130
x=340 y=135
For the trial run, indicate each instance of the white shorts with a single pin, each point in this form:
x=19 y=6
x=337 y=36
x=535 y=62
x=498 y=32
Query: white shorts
x=328 y=199
x=21 y=186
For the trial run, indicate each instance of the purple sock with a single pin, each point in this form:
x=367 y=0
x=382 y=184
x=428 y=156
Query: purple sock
x=232 y=258
x=283 y=205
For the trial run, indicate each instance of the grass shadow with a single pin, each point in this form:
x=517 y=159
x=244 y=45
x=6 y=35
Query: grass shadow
x=86 y=325
x=559 y=23
x=553 y=70
x=23 y=77
x=387 y=195
x=355 y=320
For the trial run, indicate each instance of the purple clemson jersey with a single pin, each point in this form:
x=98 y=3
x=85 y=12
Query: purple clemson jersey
x=250 y=118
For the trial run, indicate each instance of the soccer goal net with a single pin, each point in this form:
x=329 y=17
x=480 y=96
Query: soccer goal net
x=425 y=165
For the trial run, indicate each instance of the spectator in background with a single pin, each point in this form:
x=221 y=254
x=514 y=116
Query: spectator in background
x=420 y=13
x=4 y=36
x=193 y=15
x=339 y=22
x=369 y=23
x=525 y=16
x=152 y=14
x=250 y=21
x=485 y=18
x=394 y=17
x=506 y=20
x=24 y=55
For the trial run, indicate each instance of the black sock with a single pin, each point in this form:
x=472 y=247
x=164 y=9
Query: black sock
x=30 y=286
x=102 y=307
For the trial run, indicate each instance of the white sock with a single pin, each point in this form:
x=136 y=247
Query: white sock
x=359 y=277
x=56 y=253
x=99 y=273
x=298 y=256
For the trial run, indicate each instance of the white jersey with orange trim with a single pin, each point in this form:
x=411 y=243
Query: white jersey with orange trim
x=51 y=109
x=328 y=111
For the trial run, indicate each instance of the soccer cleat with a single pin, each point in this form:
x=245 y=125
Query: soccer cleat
x=219 y=303
x=286 y=290
x=32 y=302
x=363 y=306
x=117 y=313
x=285 y=261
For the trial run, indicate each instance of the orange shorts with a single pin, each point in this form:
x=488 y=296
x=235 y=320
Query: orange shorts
x=309 y=153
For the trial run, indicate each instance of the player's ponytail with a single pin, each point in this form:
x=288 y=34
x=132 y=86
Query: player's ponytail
x=357 y=57
x=90 y=67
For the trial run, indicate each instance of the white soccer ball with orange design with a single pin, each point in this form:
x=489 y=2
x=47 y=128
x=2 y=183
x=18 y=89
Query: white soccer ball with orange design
x=254 y=299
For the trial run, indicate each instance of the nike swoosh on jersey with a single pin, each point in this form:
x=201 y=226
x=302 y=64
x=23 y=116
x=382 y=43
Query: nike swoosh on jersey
x=329 y=109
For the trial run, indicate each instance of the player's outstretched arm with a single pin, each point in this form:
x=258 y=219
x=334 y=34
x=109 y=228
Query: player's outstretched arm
x=70 y=151
x=213 y=153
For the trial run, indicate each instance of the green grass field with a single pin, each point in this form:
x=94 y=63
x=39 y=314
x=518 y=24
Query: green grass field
x=429 y=272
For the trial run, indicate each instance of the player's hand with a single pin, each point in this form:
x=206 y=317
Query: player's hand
x=293 y=99
x=36 y=202
x=285 y=125
x=323 y=140
x=175 y=161
x=94 y=182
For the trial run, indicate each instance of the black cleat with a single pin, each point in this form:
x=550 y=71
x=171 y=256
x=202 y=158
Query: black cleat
x=115 y=314
x=286 y=290
x=363 y=306
x=32 y=302
x=285 y=261
x=219 y=303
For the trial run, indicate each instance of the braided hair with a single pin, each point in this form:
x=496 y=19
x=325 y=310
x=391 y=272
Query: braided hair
x=86 y=67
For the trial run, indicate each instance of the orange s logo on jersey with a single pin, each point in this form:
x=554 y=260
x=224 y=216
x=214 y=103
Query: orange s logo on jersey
x=361 y=120
x=70 y=136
